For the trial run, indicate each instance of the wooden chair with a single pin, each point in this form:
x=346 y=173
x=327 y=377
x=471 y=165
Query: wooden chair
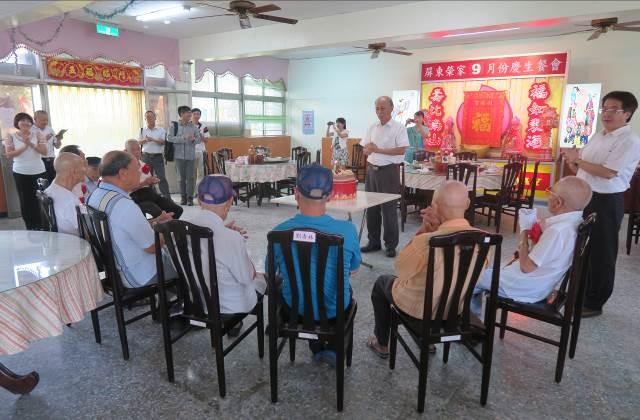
x=218 y=158
x=569 y=297
x=93 y=226
x=467 y=174
x=318 y=156
x=226 y=153
x=205 y=163
x=419 y=199
x=422 y=155
x=296 y=150
x=466 y=156
x=201 y=298
x=358 y=162
x=447 y=318
x=42 y=184
x=525 y=195
x=47 y=212
x=632 y=207
x=285 y=321
x=302 y=159
x=496 y=200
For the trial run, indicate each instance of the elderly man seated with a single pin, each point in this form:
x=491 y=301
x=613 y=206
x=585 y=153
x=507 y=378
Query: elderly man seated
x=144 y=194
x=131 y=234
x=406 y=289
x=540 y=269
x=69 y=172
x=313 y=190
x=237 y=278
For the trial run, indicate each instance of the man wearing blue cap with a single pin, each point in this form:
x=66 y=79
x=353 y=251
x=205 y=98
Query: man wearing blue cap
x=313 y=190
x=237 y=278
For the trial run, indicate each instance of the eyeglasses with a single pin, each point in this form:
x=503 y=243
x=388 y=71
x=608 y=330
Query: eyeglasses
x=550 y=191
x=611 y=110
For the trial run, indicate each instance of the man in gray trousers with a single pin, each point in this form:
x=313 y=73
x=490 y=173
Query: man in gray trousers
x=185 y=135
x=384 y=144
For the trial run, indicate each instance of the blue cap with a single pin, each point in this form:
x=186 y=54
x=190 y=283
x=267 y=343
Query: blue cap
x=93 y=161
x=314 y=181
x=215 y=189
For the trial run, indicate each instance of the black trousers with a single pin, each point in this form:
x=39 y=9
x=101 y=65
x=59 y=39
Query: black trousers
x=27 y=185
x=381 y=298
x=153 y=203
x=50 y=172
x=604 y=247
x=383 y=179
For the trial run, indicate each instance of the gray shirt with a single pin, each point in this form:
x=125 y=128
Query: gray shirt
x=184 y=149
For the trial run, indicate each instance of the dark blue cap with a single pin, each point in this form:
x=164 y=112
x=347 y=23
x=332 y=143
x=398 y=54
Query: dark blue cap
x=93 y=161
x=215 y=189
x=314 y=181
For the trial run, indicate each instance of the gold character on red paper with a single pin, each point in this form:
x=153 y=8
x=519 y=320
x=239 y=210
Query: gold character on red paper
x=481 y=122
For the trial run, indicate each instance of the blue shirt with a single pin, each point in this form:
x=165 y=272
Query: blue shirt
x=351 y=260
x=130 y=235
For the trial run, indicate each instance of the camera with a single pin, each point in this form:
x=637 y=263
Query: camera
x=330 y=123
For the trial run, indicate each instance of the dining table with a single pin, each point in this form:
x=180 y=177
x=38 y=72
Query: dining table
x=263 y=175
x=48 y=280
x=427 y=179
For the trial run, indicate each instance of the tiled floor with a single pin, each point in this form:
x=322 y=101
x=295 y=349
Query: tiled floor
x=81 y=379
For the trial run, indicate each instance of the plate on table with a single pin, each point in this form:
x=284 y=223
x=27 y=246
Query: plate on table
x=276 y=159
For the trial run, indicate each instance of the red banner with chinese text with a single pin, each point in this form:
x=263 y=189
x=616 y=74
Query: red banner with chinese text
x=483 y=114
x=497 y=67
x=88 y=72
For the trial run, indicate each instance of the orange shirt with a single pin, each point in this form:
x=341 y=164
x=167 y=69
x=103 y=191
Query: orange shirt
x=411 y=269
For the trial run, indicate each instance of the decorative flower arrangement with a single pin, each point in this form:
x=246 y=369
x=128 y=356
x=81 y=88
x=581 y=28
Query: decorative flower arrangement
x=146 y=169
x=535 y=233
x=84 y=189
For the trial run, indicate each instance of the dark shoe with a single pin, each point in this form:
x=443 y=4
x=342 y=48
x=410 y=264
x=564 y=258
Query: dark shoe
x=390 y=252
x=190 y=202
x=370 y=248
x=183 y=202
x=235 y=331
x=590 y=313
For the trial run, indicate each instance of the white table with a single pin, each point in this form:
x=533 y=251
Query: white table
x=363 y=201
x=260 y=173
x=432 y=181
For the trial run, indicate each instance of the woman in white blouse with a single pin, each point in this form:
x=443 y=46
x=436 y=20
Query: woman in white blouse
x=27 y=149
x=339 y=133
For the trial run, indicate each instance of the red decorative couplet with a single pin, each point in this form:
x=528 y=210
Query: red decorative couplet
x=88 y=72
x=436 y=118
x=483 y=115
x=536 y=133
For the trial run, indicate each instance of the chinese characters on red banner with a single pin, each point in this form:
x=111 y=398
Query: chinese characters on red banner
x=483 y=68
x=436 y=118
x=536 y=133
x=482 y=117
x=88 y=72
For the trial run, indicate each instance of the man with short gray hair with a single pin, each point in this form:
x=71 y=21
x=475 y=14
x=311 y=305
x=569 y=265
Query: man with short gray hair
x=69 y=172
x=152 y=140
x=41 y=126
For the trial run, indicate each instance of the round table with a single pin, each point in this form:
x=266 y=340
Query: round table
x=47 y=280
x=432 y=181
x=259 y=173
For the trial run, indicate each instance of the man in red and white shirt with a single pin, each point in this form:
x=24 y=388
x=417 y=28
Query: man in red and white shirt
x=145 y=195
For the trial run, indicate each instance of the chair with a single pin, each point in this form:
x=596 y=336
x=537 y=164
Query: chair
x=525 y=196
x=296 y=150
x=287 y=322
x=201 y=300
x=226 y=153
x=570 y=295
x=93 y=226
x=422 y=155
x=218 y=158
x=205 y=163
x=447 y=319
x=357 y=160
x=410 y=197
x=632 y=206
x=318 y=156
x=467 y=174
x=509 y=191
x=517 y=158
x=302 y=159
x=466 y=156
x=47 y=212
x=42 y=184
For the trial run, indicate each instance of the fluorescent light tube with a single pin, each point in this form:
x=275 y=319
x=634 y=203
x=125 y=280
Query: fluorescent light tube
x=479 y=32
x=160 y=14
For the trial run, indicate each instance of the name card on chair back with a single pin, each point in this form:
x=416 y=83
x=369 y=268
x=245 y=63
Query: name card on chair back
x=303 y=236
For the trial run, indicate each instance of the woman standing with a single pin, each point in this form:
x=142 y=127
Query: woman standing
x=607 y=163
x=339 y=132
x=416 y=134
x=26 y=149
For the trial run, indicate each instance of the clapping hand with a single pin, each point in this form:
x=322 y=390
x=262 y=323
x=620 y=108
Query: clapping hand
x=152 y=180
x=370 y=148
x=232 y=225
x=570 y=155
x=164 y=217
x=430 y=221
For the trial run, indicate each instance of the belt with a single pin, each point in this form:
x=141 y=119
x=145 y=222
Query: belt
x=151 y=154
x=376 y=167
x=48 y=158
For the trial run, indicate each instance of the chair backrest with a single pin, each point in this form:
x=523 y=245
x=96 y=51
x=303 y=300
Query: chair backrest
x=305 y=244
x=466 y=156
x=467 y=251
x=357 y=151
x=318 y=156
x=262 y=150
x=42 y=184
x=183 y=241
x=632 y=195
x=420 y=155
x=529 y=191
x=219 y=159
x=302 y=159
x=205 y=162
x=296 y=150
x=47 y=213
x=509 y=185
x=226 y=153
x=93 y=225
x=465 y=173
x=517 y=157
x=401 y=167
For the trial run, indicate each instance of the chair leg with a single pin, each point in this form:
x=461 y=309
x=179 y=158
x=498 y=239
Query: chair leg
x=445 y=353
x=96 y=326
x=515 y=218
x=422 y=377
x=487 y=357
x=393 y=341
x=273 y=362
x=498 y=217
x=222 y=386
x=122 y=331
x=166 y=336
x=503 y=322
x=152 y=305
x=629 y=233
x=350 y=347
x=260 y=329
x=292 y=349
x=562 y=351
x=340 y=370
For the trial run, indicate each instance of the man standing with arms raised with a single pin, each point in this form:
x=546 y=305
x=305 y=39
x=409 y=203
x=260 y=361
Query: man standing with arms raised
x=384 y=144
x=152 y=140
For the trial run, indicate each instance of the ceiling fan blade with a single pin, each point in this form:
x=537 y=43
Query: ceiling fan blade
x=213 y=5
x=375 y=54
x=595 y=35
x=625 y=28
x=276 y=19
x=632 y=23
x=401 y=52
x=363 y=48
x=264 y=9
x=210 y=16
x=570 y=33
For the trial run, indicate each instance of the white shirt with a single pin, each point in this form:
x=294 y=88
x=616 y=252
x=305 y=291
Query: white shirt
x=236 y=286
x=200 y=147
x=552 y=256
x=156 y=133
x=392 y=134
x=619 y=151
x=44 y=132
x=64 y=204
x=341 y=141
x=28 y=162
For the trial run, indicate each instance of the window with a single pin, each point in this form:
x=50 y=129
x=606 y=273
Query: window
x=14 y=99
x=27 y=64
x=206 y=84
x=228 y=83
x=158 y=77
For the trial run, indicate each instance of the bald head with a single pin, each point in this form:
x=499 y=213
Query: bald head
x=66 y=161
x=451 y=200
x=575 y=192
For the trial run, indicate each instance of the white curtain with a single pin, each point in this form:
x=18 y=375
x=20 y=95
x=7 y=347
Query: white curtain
x=97 y=119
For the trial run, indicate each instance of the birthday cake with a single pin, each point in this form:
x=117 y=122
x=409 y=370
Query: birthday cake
x=345 y=185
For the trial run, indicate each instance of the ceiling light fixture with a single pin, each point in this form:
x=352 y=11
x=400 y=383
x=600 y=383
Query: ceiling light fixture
x=480 y=32
x=166 y=22
x=159 y=14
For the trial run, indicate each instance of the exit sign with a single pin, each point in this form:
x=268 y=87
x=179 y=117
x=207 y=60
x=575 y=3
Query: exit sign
x=103 y=29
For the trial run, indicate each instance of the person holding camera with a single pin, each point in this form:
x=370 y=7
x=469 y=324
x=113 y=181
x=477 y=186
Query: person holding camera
x=416 y=133
x=339 y=133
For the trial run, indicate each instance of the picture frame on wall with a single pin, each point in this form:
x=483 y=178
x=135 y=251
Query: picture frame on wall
x=308 y=123
x=405 y=104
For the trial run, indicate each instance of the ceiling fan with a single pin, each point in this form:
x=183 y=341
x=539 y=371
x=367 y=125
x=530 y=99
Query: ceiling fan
x=379 y=47
x=602 y=26
x=243 y=9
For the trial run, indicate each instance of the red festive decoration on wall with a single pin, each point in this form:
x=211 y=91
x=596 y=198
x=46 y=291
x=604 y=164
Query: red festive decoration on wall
x=483 y=117
x=89 y=72
x=436 y=118
x=537 y=134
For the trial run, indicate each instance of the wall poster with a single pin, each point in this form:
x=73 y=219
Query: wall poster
x=579 y=115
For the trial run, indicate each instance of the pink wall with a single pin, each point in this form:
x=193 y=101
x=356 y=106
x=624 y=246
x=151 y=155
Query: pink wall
x=79 y=39
x=270 y=68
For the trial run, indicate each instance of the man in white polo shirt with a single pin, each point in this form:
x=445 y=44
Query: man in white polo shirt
x=41 y=126
x=69 y=172
x=152 y=140
x=384 y=144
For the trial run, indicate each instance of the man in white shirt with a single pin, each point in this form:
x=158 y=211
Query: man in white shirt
x=607 y=163
x=41 y=126
x=384 y=144
x=540 y=269
x=200 y=147
x=152 y=140
x=69 y=172
x=237 y=278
